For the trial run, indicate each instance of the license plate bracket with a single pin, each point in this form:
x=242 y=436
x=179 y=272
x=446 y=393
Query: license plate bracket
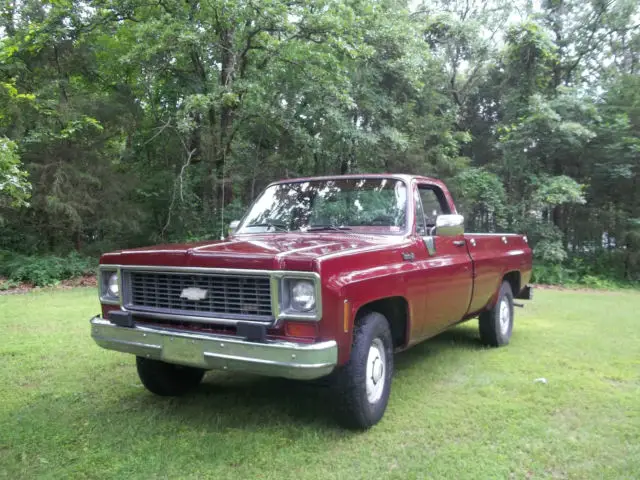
x=251 y=332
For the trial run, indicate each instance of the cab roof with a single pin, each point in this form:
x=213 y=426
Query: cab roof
x=400 y=176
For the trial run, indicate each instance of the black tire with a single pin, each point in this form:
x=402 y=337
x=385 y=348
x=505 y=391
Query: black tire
x=354 y=409
x=493 y=332
x=167 y=379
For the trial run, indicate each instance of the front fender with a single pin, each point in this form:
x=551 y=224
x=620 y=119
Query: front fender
x=349 y=286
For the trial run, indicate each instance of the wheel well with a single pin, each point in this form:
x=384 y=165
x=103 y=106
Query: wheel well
x=514 y=280
x=396 y=311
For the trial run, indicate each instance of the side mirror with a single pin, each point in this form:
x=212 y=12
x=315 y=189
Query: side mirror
x=233 y=226
x=449 y=225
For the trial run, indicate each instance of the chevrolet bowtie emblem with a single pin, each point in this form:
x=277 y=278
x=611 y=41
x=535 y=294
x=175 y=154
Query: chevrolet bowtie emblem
x=193 y=293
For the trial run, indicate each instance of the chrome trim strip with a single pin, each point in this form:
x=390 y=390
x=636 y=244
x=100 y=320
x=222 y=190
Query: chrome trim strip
x=430 y=243
x=163 y=269
x=269 y=362
x=496 y=233
x=194 y=318
x=279 y=313
x=275 y=297
x=374 y=248
x=210 y=351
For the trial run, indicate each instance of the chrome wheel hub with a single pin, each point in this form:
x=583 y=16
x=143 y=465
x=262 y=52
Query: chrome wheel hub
x=505 y=316
x=375 y=371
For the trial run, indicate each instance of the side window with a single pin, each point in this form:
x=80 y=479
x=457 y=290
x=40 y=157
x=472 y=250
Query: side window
x=433 y=203
x=420 y=228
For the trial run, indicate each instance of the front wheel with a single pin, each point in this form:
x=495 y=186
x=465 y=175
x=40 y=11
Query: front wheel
x=167 y=379
x=363 y=385
x=496 y=325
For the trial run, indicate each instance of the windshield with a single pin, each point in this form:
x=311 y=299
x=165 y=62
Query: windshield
x=366 y=205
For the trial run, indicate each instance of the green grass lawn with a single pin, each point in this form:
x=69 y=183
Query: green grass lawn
x=457 y=410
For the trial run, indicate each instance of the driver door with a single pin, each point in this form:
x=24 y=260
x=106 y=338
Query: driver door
x=445 y=264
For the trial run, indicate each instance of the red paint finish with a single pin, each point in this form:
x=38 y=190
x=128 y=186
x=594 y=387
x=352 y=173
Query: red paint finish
x=495 y=255
x=459 y=280
x=275 y=251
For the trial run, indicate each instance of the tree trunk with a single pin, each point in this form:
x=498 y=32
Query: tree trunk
x=227 y=75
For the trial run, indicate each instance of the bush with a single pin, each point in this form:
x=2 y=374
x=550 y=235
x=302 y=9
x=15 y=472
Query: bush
x=554 y=274
x=599 y=282
x=44 y=270
x=604 y=270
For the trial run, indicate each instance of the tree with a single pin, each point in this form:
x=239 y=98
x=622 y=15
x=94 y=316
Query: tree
x=140 y=122
x=14 y=187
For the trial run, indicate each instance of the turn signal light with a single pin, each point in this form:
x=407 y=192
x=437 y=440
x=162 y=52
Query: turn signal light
x=301 y=330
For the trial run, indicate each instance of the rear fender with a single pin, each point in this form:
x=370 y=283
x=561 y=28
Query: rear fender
x=514 y=278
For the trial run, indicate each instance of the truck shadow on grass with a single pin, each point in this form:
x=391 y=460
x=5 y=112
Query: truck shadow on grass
x=247 y=401
x=120 y=417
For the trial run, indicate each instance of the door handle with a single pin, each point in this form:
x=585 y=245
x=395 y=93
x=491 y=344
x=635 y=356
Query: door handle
x=459 y=243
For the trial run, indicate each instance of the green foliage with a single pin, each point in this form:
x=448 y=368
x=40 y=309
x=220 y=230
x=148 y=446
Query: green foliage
x=41 y=271
x=561 y=274
x=553 y=274
x=480 y=197
x=140 y=122
x=550 y=250
x=593 y=281
x=558 y=190
x=529 y=58
x=603 y=270
x=14 y=187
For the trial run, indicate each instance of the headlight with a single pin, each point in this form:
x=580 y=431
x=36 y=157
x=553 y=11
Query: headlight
x=303 y=295
x=109 y=286
x=299 y=296
x=113 y=287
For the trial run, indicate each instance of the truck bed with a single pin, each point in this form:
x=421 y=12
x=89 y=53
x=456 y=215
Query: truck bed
x=492 y=255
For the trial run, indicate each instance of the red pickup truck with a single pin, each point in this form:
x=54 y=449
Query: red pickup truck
x=323 y=277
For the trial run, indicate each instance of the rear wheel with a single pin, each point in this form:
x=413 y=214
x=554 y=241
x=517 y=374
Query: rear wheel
x=363 y=385
x=167 y=379
x=496 y=325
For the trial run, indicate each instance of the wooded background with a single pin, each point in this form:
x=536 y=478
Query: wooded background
x=129 y=122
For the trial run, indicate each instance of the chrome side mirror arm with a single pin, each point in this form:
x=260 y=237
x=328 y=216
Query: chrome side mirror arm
x=446 y=226
x=430 y=243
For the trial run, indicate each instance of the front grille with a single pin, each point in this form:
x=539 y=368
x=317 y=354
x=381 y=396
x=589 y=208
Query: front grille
x=227 y=296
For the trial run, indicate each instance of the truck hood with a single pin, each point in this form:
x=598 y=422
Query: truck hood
x=263 y=252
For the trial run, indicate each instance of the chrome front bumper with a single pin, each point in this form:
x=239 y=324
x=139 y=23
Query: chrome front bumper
x=221 y=352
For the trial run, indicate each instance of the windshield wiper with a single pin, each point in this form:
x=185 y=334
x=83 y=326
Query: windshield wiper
x=276 y=226
x=316 y=228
